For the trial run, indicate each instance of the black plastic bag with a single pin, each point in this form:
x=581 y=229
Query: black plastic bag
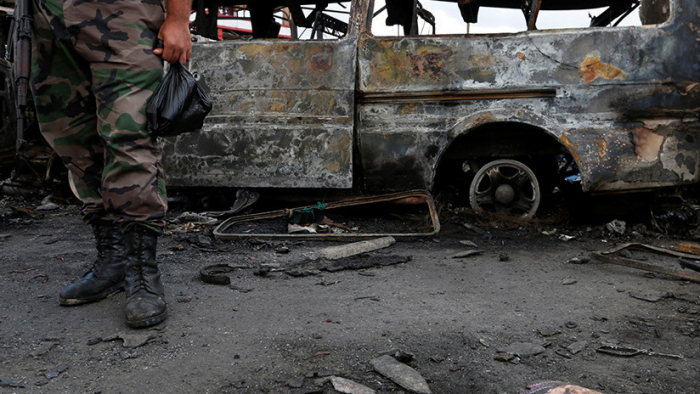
x=179 y=105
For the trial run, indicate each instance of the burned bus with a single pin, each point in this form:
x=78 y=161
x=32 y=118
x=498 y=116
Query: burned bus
x=377 y=96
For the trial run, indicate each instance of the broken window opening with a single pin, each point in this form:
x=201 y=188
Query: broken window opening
x=392 y=18
x=281 y=19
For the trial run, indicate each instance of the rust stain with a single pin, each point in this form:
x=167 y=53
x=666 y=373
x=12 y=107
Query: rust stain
x=430 y=63
x=647 y=144
x=602 y=146
x=408 y=108
x=333 y=166
x=256 y=50
x=277 y=107
x=592 y=68
x=521 y=56
x=321 y=58
x=564 y=138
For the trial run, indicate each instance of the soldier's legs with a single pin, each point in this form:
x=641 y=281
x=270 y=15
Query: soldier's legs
x=65 y=105
x=117 y=40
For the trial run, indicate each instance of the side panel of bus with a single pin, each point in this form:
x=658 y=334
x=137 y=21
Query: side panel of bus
x=622 y=101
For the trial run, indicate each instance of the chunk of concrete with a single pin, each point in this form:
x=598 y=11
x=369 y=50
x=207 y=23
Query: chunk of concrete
x=401 y=374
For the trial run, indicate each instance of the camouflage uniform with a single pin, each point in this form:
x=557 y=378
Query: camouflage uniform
x=92 y=71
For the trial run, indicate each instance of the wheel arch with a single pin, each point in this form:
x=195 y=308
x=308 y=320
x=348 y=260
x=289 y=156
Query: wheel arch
x=490 y=135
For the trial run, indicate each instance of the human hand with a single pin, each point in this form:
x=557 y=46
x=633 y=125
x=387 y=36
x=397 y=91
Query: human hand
x=177 y=43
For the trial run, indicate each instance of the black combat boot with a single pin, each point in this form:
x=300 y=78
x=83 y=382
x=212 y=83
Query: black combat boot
x=107 y=273
x=145 y=297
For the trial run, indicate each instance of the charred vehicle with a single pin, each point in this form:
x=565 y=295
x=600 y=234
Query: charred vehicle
x=377 y=96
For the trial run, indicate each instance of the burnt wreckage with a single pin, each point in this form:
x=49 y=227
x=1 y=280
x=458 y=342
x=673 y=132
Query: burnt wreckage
x=320 y=95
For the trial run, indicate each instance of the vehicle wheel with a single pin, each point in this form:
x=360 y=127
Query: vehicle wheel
x=505 y=187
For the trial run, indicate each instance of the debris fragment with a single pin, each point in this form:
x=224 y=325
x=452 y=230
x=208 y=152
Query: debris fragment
x=548 y=332
x=401 y=374
x=569 y=281
x=623 y=351
x=11 y=383
x=505 y=357
x=467 y=253
x=468 y=243
x=130 y=340
x=355 y=248
x=688 y=247
x=616 y=226
x=503 y=257
x=554 y=387
x=648 y=297
x=295 y=382
x=217 y=274
x=43 y=348
x=347 y=386
x=321 y=353
x=57 y=371
x=524 y=349
x=564 y=237
x=577 y=347
x=579 y=260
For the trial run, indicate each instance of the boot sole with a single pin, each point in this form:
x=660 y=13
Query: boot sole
x=97 y=297
x=151 y=321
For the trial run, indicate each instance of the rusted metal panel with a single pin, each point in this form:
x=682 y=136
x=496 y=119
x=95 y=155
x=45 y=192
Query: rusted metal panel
x=282 y=117
x=626 y=102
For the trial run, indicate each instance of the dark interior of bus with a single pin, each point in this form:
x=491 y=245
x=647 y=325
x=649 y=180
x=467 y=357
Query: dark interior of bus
x=314 y=15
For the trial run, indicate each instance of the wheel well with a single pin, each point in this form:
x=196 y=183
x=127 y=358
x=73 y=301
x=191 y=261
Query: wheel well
x=534 y=146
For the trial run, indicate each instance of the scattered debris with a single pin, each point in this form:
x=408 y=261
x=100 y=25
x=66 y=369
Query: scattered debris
x=607 y=257
x=524 y=349
x=416 y=197
x=321 y=353
x=347 y=386
x=564 y=237
x=94 y=341
x=43 y=348
x=474 y=229
x=217 y=274
x=401 y=374
x=623 y=351
x=649 y=297
x=617 y=227
x=548 y=332
x=569 y=281
x=467 y=253
x=579 y=260
x=505 y=357
x=131 y=340
x=688 y=247
x=295 y=382
x=244 y=199
x=577 y=347
x=11 y=383
x=399 y=355
x=59 y=369
x=554 y=387
x=355 y=248
x=503 y=257
x=469 y=243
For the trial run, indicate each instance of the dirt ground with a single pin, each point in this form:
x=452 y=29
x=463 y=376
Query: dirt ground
x=454 y=320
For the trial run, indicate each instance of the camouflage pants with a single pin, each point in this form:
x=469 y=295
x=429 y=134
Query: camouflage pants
x=92 y=72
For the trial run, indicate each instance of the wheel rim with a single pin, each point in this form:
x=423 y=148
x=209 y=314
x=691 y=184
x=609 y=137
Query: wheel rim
x=505 y=187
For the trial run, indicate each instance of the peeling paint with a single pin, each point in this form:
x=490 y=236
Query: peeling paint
x=623 y=102
x=592 y=68
x=647 y=144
